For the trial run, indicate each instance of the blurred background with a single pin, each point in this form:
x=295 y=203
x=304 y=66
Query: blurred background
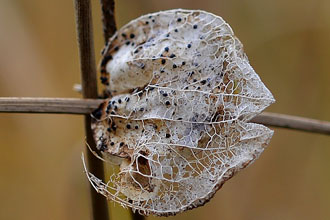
x=41 y=173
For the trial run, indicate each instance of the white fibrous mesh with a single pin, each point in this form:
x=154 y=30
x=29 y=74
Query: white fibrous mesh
x=176 y=124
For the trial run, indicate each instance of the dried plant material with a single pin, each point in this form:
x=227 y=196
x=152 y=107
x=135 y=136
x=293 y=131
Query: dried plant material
x=176 y=124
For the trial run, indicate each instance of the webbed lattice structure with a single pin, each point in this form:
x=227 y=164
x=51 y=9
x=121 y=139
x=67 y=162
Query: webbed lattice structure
x=176 y=124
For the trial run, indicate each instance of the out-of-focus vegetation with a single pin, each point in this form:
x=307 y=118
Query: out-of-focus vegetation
x=287 y=43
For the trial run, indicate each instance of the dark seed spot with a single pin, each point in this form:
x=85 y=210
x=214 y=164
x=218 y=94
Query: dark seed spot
x=153 y=20
x=121 y=144
x=112 y=143
x=103 y=147
x=108 y=129
x=172 y=55
x=189 y=45
x=147 y=22
x=106 y=59
x=103 y=79
x=167 y=35
x=176 y=30
x=127 y=99
x=195 y=26
x=116 y=48
x=128 y=126
x=183 y=63
x=174 y=66
x=203 y=82
x=165 y=94
x=163 y=61
x=179 y=20
x=136 y=127
x=119 y=101
x=132 y=36
x=167 y=103
x=168 y=136
x=97 y=113
x=166 y=49
x=141 y=109
x=127 y=43
x=124 y=35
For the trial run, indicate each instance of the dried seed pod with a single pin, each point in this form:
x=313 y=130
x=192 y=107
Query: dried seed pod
x=176 y=124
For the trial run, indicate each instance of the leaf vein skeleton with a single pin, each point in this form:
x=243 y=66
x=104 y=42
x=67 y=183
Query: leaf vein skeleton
x=174 y=121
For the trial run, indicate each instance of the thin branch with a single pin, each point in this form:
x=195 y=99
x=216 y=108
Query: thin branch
x=89 y=90
x=48 y=105
x=86 y=48
x=109 y=29
x=293 y=122
x=86 y=106
x=108 y=18
x=136 y=215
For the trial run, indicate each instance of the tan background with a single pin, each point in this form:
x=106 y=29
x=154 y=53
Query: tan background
x=41 y=174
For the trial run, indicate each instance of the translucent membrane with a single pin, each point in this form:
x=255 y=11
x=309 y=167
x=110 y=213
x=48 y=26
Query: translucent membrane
x=181 y=91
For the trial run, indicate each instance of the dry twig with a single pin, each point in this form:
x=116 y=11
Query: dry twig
x=108 y=18
x=109 y=28
x=85 y=106
x=293 y=122
x=89 y=90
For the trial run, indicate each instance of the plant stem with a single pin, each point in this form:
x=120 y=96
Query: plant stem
x=86 y=106
x=48 y=105
x=108 y=18
x=89 y=90
x=109 y=28
x=293 y=122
